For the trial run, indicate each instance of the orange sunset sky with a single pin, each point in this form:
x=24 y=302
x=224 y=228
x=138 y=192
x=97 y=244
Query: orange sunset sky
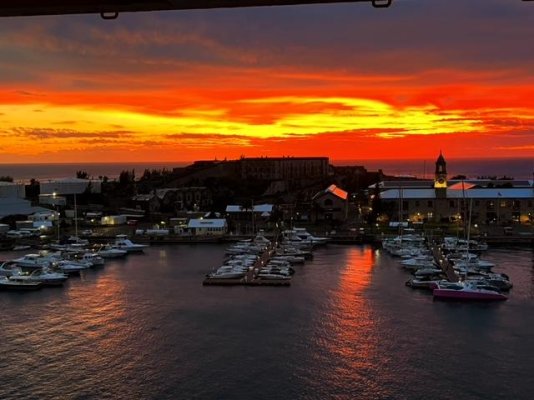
x=343 y=80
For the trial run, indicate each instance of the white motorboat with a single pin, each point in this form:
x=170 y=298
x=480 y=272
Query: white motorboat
x=45 y=276
x=290 y=259
x=303 y=234
x=71 y=267
x=232 y=274
x=123 y=243
x=272 y=276
x=418 y=263
x=93 y=258
x=474 y=263
x=110 y=252
x=454 y=244
x=285 y=250
x=427 y=272
x=9 y=284
x=36 y=261
x=8 y=268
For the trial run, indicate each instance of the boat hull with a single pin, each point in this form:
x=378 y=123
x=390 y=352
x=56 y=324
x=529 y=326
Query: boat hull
x=20 y=287
x=451 y=294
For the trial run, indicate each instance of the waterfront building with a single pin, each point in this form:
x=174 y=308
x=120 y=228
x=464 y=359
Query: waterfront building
x=331 y=204
x=207 y=227
x=485 y=201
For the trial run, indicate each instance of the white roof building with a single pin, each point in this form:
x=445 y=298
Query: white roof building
x=207 y=223
x=207 y=227
x=258 y=208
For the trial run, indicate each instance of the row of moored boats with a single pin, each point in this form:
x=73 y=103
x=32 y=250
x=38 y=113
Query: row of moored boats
x=52 y=267
x=262 y=259
x=474 y=277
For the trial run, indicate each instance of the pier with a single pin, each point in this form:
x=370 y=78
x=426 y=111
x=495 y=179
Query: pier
x=251 y=277
x=445 y=265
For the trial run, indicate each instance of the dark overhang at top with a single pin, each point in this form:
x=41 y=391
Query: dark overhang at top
x=113 y=7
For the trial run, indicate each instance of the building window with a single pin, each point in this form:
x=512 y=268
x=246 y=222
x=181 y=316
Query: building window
x=417 y=203
x=430 y=204
x=405 y=205
x=328 y=203
x=451 y=204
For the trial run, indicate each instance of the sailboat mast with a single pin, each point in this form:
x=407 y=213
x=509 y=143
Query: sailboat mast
x=400 y=211
x=75 y=218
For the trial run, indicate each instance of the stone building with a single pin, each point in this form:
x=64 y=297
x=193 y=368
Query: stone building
x=284 y=168
x=185 y=198
x=483 y=201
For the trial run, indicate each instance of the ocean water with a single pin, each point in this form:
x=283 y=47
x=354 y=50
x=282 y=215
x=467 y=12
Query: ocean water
x=347 y=328
x=518 y=168
x=25 y=172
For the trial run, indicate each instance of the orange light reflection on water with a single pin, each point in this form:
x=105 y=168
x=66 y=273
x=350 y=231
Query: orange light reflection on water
x=350 y=325
x=99 y=313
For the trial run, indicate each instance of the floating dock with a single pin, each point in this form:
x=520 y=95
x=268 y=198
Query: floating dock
x=243 y=282
x=251 y=277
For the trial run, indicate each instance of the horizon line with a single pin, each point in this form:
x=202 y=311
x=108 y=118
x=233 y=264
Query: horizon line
x=236 y=159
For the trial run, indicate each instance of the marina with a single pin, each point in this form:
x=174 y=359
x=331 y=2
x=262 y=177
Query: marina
x=144 y=326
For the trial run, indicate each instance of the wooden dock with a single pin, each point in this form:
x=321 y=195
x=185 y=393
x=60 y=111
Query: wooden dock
x=445 y=265
x=251 y=277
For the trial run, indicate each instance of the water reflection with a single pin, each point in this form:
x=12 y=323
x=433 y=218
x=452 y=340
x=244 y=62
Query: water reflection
x=72 y=333
x=348 y=331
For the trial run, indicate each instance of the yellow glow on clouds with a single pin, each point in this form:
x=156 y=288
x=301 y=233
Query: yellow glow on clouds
x=86 y=127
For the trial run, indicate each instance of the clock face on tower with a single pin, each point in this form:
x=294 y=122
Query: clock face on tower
x=441 y=181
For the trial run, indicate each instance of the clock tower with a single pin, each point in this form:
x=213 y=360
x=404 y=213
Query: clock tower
x=440 y=179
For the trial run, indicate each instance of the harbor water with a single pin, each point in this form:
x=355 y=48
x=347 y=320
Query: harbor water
x=347 y=328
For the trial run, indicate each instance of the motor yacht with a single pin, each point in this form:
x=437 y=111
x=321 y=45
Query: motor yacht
x=94 y=259
x=273 y=276
x=306 y=236
x=8 y=268
x=123 y=243
x=71 y=267
x=36 y=261
x=110 y=252
x=9 y=284
x=46 y=276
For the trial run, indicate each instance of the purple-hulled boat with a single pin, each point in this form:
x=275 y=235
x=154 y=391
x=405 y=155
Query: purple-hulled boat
x=466 y=291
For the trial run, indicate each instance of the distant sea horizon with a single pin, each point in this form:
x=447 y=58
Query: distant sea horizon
x=517 y=168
